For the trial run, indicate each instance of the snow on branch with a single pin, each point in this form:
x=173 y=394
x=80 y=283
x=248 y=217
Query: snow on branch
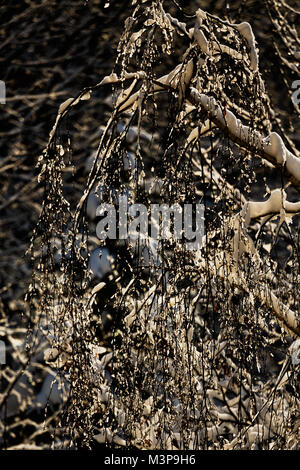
x=271 y=148
x=242 y=243
x=274 y=205
x=213 y=47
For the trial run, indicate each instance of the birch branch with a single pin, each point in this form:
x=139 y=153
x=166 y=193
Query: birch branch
x=271 y=148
